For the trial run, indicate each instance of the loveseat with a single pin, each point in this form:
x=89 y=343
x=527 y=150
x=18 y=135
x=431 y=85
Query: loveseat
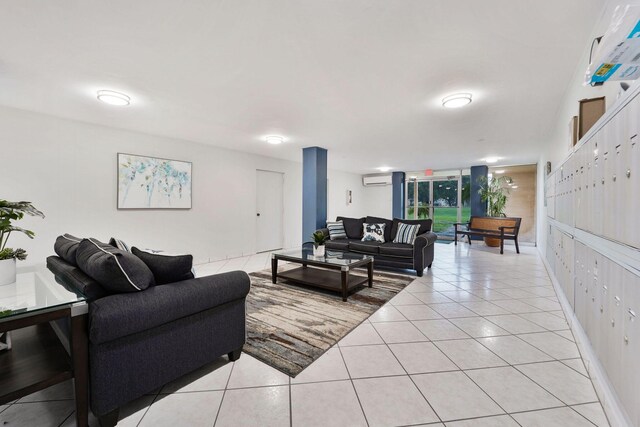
x=417 y=256
x=141 y=340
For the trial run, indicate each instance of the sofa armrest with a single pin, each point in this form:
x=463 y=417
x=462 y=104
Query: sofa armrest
x=425 y=239
x=120 y=315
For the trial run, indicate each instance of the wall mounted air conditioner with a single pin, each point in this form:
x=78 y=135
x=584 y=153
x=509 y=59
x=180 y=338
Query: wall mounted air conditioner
x=371 y=180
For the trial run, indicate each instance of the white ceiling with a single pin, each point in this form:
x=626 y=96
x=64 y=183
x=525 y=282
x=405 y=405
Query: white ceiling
x=362 y=78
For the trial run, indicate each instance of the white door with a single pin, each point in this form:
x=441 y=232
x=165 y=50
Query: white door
x=269 y=210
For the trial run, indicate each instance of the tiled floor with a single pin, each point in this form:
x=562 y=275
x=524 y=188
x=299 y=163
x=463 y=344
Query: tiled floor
x=480 y=340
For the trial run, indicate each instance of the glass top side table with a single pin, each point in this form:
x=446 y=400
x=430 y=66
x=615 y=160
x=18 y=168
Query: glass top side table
x=37 y=358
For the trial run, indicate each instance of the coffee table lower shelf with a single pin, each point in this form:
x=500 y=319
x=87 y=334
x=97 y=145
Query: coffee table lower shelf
x=325 y=279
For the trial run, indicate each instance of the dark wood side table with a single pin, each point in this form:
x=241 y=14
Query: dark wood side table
x=32 y=309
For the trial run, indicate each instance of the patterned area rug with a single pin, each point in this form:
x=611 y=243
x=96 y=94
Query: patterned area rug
x=289 y=326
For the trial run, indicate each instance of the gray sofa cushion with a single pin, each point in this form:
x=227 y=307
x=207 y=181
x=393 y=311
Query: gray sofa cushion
x=116 y=270
x=397 y=250
x=425 y=225
x=66 y=247
x=387 y=228
x=166 y=268
x=353 y=226
x=366 y=247
x=340 y=244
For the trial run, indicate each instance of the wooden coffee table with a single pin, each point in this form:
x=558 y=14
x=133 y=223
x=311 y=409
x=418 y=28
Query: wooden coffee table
x=334 y=271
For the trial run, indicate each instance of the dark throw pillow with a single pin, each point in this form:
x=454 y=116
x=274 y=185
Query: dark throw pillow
x=116 y=270
x=353 y=226
x=66 y=247
x=166 y=268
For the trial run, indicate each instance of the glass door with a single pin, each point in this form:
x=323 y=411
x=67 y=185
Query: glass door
x=418 y=200
x=443 y=197
x=446 y=202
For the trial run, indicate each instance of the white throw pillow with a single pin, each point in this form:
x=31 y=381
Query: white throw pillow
x=373 y=232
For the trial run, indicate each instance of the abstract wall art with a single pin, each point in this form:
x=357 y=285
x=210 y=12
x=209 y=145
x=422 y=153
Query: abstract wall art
x=153 y=183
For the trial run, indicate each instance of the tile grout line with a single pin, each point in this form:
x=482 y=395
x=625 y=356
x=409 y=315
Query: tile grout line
x=355 y=391
x=407 y=373
x=512 y=366
x=224 y=392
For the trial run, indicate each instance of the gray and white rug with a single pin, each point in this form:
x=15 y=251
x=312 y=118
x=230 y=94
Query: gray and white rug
x=289 y=326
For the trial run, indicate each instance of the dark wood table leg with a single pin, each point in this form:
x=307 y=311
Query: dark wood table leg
x=274 y=269
x=80 y=360
x=344 y=274
x=370 y=273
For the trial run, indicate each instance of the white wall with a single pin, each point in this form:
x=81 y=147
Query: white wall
x=556 y=146
x=68 y=170
x=339 y=183
x=371 y=201
x=379 y=201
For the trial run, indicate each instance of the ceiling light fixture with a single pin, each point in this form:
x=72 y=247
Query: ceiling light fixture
x=274 y=139
x=501 y=171
x=514 y=186
x=492 y=159
x=113 y=98
x=456 y=100
x=384 y=169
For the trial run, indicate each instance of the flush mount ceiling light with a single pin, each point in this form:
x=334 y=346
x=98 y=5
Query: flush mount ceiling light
x=501 y=171
x=456 y=100
x=491 y=159
x=384 y=169
x=113 y=98
x=274 y=139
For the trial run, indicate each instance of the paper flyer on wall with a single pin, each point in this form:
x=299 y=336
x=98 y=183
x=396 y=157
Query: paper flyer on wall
x=618 y=55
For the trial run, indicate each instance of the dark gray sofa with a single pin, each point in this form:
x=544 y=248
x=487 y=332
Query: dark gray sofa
x=139 y=341
x=397 y=255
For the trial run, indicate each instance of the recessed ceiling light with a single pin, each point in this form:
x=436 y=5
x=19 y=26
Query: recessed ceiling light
x=499 y=171
x=384 y=169
x=491 y=159
x=113 y=98
x=274 y=139
x=456 y=100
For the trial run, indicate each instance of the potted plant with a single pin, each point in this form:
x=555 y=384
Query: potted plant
x=10 y=212
x=494 y=192
x=318 y=243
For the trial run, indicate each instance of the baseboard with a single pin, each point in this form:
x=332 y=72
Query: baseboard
x=613 y=408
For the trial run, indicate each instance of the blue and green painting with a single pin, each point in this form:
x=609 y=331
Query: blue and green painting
x=153 y=183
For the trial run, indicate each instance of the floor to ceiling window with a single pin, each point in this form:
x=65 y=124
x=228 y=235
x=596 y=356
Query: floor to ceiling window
x=442 y=196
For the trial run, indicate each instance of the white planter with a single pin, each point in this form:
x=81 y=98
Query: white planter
x=7 y=271
x=318 y=250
